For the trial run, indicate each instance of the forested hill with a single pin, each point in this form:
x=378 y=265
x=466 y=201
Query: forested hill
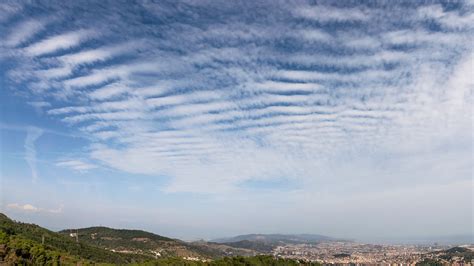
x=149 y=244
x=106 y=232
x=31 y=244
x=25 y=243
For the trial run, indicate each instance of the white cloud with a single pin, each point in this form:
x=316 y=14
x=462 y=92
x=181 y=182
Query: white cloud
x=58 y=42
x=54 y=73
x=286 y=86
x=448 y=19
x=26 y=207
x=76 y=165
x=314 y=76
x=373 y=61
x=330 y=14
x=314 y=35
x=461 y=80
x=23 y=32
x=115 y=73
x=100 y=54
x=84 y=57
x=109 y=91
x=31 y=208
x=422 y=37
x=364 y=42
x=40 y=104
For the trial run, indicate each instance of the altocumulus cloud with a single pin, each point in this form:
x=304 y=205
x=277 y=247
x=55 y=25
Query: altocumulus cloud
x=214 y=95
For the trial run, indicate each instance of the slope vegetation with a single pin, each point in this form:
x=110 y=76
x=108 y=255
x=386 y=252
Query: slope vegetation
x=151 y=245
x=32 y=244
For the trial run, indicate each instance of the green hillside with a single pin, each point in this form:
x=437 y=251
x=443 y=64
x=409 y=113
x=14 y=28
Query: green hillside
x=149 y=244
x=261 y=260
x=23 y=242
x=130 y=241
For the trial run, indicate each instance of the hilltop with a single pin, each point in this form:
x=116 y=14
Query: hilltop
x=30 y=243
x=276 y=239
x=140 y=242
x=266 y=243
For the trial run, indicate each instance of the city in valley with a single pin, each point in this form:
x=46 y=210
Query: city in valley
x=351 y=252
x=32 y=244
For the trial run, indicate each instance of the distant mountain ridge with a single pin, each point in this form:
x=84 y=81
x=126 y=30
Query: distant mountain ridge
x=277 y=238
x=259 y=246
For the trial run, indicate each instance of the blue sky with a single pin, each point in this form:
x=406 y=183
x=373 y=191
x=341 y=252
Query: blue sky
x=200 y=119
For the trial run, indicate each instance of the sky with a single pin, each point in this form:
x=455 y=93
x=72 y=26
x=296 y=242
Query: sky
x=203 y=119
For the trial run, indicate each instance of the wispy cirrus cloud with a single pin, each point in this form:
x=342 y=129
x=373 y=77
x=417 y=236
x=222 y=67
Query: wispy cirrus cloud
x=32 y=134
x=76 y=165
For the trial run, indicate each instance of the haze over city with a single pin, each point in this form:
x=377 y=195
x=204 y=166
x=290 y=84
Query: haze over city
x=205 y=119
